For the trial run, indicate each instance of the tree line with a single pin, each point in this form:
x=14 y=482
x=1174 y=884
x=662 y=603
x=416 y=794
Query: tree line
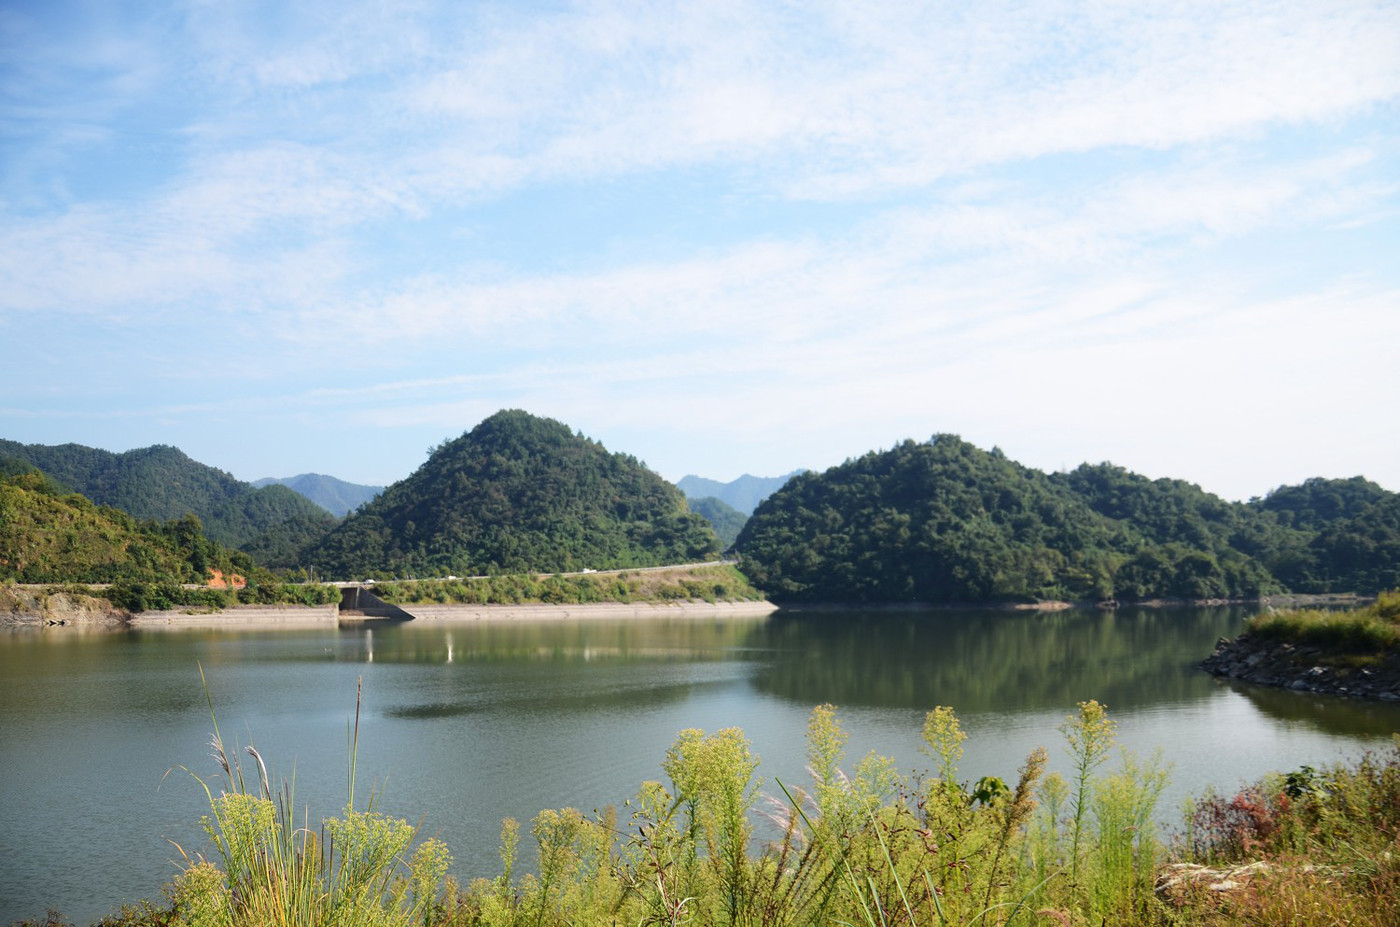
x=944 y=521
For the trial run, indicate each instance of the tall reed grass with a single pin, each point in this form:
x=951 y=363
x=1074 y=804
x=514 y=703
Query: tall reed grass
x=873 y=848
x=273 y=868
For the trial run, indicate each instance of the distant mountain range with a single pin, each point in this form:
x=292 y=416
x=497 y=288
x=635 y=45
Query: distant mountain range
x=924 y=522
x=334 y=495
x=742 y=494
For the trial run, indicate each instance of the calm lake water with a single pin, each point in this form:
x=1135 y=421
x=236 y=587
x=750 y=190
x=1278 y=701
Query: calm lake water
x=465 y=725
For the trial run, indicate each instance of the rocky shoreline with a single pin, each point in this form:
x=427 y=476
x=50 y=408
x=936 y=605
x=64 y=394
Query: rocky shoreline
x=1302 y=668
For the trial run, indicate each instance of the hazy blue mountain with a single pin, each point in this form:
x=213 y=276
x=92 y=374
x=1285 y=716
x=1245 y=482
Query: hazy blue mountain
x=743 y=494
x=724 y=518
x=334 y=495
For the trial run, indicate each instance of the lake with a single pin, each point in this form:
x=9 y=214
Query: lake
x=464 y=725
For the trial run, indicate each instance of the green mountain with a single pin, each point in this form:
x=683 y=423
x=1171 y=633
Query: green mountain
x=743 y=494
x=48 y=535
x=335 y=496
x=947 y=522
x=935 y=522
x=163 y=484
x=1345 y=538
x=1178 y=519
x=517 y=493
x=726 y=521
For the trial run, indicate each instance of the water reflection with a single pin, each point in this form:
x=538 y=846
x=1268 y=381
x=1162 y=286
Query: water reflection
x=991 y=661
x=585 y=641
x=1327 y=713
x=581 y=700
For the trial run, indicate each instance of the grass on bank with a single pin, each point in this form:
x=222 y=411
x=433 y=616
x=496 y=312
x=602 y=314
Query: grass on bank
x=711 y=583
x=1372 y=629
x=870 y=848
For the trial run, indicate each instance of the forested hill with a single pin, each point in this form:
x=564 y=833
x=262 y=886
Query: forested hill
x=53 y=536
x=944 y=521
x=517 y=493
x=162 y=483
x=724 y=518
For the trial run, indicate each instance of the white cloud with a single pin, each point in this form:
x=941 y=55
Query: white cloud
x=934 y=216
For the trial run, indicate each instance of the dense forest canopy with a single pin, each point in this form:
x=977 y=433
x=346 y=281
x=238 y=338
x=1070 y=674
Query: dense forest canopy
x=517 y=493
x=162 y=483
x=944 y=521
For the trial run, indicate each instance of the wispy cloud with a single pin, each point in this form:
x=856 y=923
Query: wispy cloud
x=876 y=221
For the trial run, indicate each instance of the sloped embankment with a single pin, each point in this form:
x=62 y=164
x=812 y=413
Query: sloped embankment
x=40 y=606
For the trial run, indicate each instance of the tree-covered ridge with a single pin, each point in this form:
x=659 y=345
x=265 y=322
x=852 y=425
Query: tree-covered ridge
x=1317 y=503
x=947 y=522
x=935 y=522
x=1198 y=545
x=1322 y=536
x=1356 y=554
x=50 y=536
x=726 y=520
x=518 y=493
x=162 y=483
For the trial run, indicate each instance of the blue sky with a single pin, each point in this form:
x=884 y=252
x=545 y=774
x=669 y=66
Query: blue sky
x=725 y=237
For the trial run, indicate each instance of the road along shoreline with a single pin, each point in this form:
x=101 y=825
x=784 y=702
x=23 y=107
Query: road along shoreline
x=430 y=614
x=277 y=617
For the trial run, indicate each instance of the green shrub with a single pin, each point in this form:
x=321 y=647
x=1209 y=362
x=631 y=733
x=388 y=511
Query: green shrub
x=1359 y=630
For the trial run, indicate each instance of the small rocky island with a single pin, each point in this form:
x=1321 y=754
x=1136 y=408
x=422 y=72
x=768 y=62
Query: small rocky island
x=1350 y=653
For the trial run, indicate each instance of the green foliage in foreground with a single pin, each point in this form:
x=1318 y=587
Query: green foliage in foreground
x=1368 y=630
x=867 y=848
x=717 y=583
